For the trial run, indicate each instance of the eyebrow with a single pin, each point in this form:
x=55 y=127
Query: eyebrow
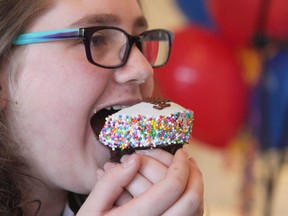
x=141 y=22
x=106 y=19
x=101 y=19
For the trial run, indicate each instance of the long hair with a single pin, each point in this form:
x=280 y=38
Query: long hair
x=15 y=16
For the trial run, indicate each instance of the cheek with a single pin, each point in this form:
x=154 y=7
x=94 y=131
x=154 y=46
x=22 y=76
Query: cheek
x=55 y=97
x=59 y=78
x=52 y=104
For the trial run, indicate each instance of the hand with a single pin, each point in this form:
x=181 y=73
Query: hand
x=180 y=189
x=154 y=165
x=191 y=201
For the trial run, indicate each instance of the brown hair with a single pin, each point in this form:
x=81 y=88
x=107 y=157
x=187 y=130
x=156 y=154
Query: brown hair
x=15 y=16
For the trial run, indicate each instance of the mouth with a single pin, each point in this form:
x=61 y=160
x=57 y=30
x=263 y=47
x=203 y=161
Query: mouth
x=98 y=119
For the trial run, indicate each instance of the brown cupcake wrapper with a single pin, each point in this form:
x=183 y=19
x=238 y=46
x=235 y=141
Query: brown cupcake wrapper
x=118 y=153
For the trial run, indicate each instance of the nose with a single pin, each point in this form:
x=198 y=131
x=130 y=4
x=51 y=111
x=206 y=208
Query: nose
x=136 y=70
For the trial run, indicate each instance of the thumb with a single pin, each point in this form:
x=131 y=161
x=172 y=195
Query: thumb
x=109 y=187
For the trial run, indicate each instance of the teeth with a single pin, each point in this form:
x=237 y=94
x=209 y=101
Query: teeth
x=116 y=107
x=121 y=107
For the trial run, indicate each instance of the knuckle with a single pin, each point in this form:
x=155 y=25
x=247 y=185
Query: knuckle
x=176 y=185
x=194 y=200
x=195 y=203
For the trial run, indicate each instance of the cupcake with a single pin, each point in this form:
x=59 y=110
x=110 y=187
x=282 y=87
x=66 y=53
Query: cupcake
x=152 y=123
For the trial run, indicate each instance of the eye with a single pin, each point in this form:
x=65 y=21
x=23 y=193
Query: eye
x=98 y=40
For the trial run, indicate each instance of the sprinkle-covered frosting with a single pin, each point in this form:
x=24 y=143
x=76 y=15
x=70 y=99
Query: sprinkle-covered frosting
x=143 y=125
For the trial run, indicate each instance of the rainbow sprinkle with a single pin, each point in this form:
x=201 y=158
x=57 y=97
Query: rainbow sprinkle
x=123 y=131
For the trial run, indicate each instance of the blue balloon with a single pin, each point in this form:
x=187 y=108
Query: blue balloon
x=196 y=11
x=273 y=131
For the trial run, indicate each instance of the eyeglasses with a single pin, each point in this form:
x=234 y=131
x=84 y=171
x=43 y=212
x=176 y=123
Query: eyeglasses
x=108 y=46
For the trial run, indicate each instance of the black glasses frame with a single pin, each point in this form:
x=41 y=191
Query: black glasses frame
x=88 y=32
x=86 y=35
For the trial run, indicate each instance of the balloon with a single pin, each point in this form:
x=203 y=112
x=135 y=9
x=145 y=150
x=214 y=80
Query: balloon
x=274 y=102
x=204 y=75
x=276 y=26
x=196 y=11
x=240 y=21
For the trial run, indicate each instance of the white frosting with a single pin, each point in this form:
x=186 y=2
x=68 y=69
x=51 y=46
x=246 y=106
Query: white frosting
x=147 y=109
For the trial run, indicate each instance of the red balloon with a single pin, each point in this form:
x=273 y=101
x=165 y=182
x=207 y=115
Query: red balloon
x=204 y=75
x=277 y=19
x=239 y=21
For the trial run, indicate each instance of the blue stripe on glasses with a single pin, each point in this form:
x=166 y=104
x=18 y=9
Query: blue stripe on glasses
x=46 y=36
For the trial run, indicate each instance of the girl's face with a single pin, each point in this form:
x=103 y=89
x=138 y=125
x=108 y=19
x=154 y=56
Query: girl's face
x=56 y=92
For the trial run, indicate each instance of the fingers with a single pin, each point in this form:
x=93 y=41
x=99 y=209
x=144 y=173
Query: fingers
x=180 y=192
x=191 y=202
x=165 y=192
x=155 y=163
x=150 y=172
x=152 y=169
x=124 y=198
x=109 y=187
x=137 y=185
x=163 y=156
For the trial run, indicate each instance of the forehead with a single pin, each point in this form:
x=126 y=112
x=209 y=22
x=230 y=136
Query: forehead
x=80 y=13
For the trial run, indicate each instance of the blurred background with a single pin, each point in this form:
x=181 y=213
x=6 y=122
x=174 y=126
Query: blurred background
x=229 y=64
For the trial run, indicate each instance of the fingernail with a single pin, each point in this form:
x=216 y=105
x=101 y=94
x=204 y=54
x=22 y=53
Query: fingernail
x=127 y=160
x=124 y=158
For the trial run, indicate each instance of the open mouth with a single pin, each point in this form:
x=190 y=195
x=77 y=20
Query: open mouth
x=98 y=119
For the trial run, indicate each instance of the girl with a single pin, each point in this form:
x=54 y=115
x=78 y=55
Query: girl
x=62 y=61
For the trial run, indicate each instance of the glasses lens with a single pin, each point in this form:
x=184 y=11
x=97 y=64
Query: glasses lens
x=108 y=46
x=156 y=47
